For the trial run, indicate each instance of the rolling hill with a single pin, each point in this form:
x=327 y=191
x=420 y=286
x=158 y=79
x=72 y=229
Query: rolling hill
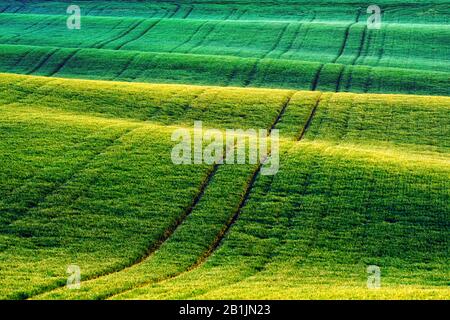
x=86 y=125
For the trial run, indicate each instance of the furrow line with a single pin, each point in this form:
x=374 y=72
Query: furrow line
x=277 y=43
x=63 y=63
x=225 y=230
x=346 y=35
x=139 y=35
x=315 y=81
x=123 y=34
x=43 y=62
x=190 y=38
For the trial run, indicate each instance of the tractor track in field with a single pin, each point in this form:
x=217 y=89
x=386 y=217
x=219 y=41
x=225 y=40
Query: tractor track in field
x=225 y=230
x=366 y=48
x=75 y=172
x=221 y=236
x=140 y=35
x=64 y=62
x=177 y=8
x=123 y=34
x=306 y=183
x=98 y=43
x=126 y=66
x=245 y=199
x=188 y=13
x=291 y=44
x=189 y=39
x=43 y=61
x=213 y=29
x=252 y=74
x=277 y=43
x=368 y=82
x=383 y=41
x=170 y=231
x=346 y=35
x=361 y=45
x=4 y=9
x=315 y=81
x=18 y=9
x=204 y=37
x=310 y=118
x=339 y=79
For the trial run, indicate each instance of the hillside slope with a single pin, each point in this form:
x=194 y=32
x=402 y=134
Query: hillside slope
x=292 y=45
x=90 y=181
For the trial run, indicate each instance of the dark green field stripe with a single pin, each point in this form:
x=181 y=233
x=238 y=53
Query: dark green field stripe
x=252 y=75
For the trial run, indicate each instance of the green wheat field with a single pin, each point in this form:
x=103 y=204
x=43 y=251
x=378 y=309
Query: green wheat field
x=86 y=122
